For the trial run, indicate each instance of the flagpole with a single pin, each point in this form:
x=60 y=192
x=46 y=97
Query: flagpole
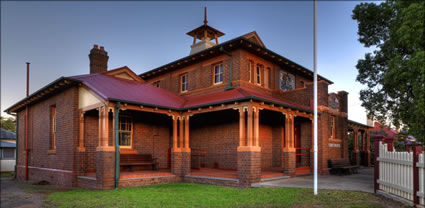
x=315 y=96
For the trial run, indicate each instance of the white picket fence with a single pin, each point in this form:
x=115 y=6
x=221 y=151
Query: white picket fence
x=396 y=173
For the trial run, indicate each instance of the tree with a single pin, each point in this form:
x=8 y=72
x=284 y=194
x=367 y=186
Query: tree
x=8 y=124
x=395 y=72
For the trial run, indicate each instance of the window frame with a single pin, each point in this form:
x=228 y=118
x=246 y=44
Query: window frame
x=157 y=84
x=53 y=126
x=186 y=83
x=121 y=130
x=2 y=150
x=332 y=126
x=250 y=71
x=258 y=74
x=220 y=65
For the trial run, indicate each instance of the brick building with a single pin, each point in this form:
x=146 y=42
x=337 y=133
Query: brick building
x=231 y=113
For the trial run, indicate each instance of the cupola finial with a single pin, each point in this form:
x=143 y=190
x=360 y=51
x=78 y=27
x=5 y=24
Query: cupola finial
x=205 y=16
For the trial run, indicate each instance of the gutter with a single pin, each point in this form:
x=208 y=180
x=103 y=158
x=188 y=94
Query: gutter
x=229 y=84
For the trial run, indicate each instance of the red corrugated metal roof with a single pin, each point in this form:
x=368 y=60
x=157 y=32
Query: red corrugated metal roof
x=238 y=93
x=110 y=87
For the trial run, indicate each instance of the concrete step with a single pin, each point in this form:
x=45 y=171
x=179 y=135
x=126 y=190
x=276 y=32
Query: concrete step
x=274 y=178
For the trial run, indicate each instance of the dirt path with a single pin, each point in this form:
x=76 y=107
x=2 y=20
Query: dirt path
x=23 y=194
x=12 y=195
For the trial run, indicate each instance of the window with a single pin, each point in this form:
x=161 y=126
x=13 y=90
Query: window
x=258 y=72
x=184 y=83
x=125 y=131
x=157 y=84
x=53 y=127
x=250 y=71
x=332 y=125
x=218 y=73
x=7 y=154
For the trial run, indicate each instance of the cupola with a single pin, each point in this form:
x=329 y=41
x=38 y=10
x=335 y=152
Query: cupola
x=204 y=34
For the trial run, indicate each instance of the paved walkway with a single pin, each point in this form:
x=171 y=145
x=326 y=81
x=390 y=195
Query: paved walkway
x=363 y=181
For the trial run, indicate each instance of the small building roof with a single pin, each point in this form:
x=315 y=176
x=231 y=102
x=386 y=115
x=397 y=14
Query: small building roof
x=5 y=134
x=355 y=123
x=6 y=144
x=118 y=89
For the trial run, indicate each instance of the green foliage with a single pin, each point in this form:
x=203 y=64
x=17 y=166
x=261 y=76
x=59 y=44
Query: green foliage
x=8 y=124
x=395 y=72
x=196 y=195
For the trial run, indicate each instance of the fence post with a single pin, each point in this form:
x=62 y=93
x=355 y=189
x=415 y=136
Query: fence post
x=416 y=152
x=390 y=143
x=376 y=143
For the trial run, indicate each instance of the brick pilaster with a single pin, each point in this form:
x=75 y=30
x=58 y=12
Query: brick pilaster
x=289 y=162
x=180 y=161
x=249 y=165
x=105 y=167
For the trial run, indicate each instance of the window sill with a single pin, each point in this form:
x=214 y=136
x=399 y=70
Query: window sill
x=335 y=140
x=51 y=152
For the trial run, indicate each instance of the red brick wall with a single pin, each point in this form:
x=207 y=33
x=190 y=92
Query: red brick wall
x=151 y=135
x=271 y=124
x=218 y=134
x=67 y=121
x=306 y=140
x=91 y=139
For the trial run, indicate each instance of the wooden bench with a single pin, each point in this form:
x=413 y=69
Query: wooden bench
x=130 y=160
x=342 y=166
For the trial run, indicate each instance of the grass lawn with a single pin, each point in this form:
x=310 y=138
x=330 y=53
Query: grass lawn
x=4 y=175
x=196 y=195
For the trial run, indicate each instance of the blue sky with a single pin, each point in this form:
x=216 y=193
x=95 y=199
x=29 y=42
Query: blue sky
x=56 y=38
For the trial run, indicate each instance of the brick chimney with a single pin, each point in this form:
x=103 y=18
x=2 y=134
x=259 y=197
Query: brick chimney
x=98 y=59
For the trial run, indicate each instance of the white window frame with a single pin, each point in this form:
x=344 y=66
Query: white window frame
x=128 y=129
x=184 y=86
x=258 y=74
x=332 y=124
x=217 y=74
x=53 y=126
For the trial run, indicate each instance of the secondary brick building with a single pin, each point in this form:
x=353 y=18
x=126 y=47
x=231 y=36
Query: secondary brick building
x=231 y=113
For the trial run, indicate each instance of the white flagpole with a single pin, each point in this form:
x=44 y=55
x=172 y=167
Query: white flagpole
x=315 y=96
